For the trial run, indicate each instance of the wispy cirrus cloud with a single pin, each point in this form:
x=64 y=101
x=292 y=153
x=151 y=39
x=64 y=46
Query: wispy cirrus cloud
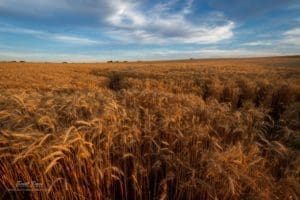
x=259 y=43
x=159 y=25
x=287 y=38
x=74 y=39
x=126 y=22
x=49 y=36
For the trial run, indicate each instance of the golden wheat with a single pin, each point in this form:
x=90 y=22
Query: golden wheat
x=200 y=129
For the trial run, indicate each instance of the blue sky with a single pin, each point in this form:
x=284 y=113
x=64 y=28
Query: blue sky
x=100 y=30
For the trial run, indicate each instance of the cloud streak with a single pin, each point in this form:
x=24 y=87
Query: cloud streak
x=292 y=37
x=49 y=36
x=142 y=54
x=259 y=43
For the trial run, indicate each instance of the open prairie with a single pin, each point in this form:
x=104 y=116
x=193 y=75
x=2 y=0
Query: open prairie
x=190 y=129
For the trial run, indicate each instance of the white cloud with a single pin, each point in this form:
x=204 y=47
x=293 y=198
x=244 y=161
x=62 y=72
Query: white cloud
x=289 y=40
x=49 y=36
x=75 y=40
x=213 y=53
x=291 y=37
x=188 y=8
x=259 y=43
x=293 y=32
x=11 y=29
x=159 y=26
x=125 y=15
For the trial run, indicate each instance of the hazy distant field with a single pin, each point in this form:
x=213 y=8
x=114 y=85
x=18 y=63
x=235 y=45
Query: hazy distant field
x=197 y=129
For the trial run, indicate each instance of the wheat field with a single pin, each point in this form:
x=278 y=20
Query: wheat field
x=190 y=129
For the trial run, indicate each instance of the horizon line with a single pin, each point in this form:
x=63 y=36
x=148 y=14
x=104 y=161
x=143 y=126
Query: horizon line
x=149 y=60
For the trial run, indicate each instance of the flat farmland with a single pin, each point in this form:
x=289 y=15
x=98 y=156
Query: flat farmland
x=186 y=129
